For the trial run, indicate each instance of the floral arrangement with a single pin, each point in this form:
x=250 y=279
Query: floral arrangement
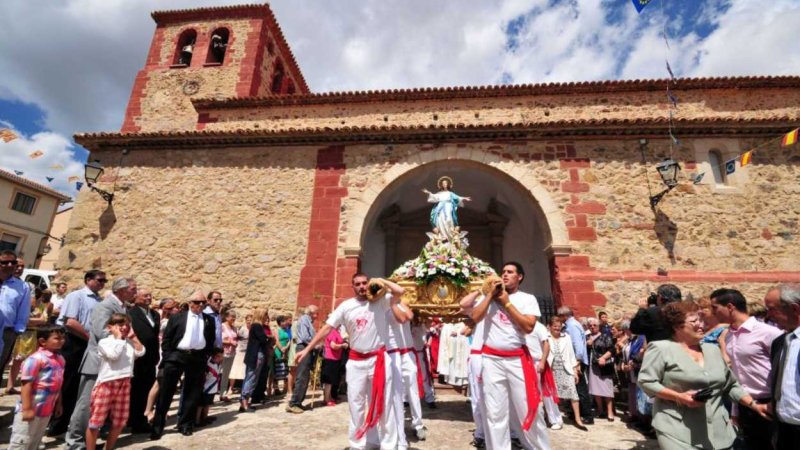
x=444 y=260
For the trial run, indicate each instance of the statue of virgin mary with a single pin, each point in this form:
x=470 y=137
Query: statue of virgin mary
x=444 y=215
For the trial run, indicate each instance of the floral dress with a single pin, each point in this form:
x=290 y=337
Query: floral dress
x=565 y=383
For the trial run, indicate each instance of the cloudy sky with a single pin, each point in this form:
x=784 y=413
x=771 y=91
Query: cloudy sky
x=68 y=65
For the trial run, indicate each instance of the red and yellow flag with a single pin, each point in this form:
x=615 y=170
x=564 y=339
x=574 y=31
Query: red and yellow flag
x=746 y=158
x=36 y=154
x=7 y=136
x=790 y=138
x=73 y=178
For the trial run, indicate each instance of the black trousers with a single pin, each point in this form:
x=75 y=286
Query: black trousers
x=303 y=376
x=261 y=385
x=72 y=351
x=144 y=375
x=755 y=429
x=584 y=399
x=788 y=436
x=193 y=369
x=9 y=339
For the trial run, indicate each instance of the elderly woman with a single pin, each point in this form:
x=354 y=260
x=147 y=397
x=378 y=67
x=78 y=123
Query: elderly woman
x=601 y=372
x=689 y=380
x=255 y=357
x=565 y=368
x=230 y=338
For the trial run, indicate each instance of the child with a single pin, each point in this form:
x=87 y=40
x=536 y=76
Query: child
x=42 y=376
x=112 y=391
x=211 y=386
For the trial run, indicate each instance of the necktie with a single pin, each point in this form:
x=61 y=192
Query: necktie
x=195 y=344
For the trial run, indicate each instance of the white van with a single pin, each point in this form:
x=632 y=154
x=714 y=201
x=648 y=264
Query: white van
x=39 y=278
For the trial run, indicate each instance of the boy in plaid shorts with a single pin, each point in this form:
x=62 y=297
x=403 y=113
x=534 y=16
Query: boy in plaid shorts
x=112 y=391
x=42 y=377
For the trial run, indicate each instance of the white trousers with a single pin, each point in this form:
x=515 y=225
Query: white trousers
x=476 y=396
x=396 y=398
x=359 y=388
x=427 y=383
x=505 y=397
x=411 y=390
x=27 y=435
x=553 y=413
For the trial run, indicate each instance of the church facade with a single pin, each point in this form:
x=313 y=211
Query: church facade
x=230 y=174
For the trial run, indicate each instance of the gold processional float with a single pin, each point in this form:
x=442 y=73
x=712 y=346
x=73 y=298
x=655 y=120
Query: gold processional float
x=444 y=272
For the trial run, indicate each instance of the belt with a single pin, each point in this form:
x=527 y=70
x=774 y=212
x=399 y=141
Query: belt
x=190 y=351
x=402 y=351
x=378 y=384
x=531 y=380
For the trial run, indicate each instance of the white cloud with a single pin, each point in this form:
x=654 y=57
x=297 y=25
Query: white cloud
x=57 y=149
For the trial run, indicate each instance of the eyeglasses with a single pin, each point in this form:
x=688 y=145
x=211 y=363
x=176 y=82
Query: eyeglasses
x=8 y=263
x=101 y=280
x=216 y=300
x=199 y=302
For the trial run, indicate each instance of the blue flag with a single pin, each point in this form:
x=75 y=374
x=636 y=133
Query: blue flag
x=50 y=180
x=669 y=69
x=730 y=167
x=78 y=185
x=640 y=4
x=672 y=98
x=19 y=173
x=699 y=178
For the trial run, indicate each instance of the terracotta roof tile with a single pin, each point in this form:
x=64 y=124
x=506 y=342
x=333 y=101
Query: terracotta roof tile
x=249 y=10
x=34 y=185
x=575 y=128
x=449 y=93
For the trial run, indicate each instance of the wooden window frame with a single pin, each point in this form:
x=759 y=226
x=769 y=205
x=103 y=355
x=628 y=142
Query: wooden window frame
x=38 y=199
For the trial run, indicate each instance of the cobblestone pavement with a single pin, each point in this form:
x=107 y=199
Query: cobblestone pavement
x=449 y=427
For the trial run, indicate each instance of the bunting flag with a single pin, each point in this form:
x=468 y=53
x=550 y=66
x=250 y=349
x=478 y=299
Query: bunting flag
x=790 y=138
x=19 y=173
x=56 y=167
x=730 y=167
x=672 y=98
x=36 y=154
x=640 y=5
x=78 y=185
x=671 y=75
x=699 y=178
x=49 y=179
x=73 y=178
x=7 y=136
x=746 y=158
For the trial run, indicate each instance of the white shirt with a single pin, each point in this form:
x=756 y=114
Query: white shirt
x=418 y=337
x=116 y=358
x=365 y=323
x=500 y=332
x=193 y=338
x=535 y=338
x=477 y=333
x=789 y=404
x=397 y=337
x=57 y=301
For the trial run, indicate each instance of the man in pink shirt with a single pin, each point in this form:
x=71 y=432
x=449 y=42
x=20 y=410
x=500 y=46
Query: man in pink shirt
x=748 y=344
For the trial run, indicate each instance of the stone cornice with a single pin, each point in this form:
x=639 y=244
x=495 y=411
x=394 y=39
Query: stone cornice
x=575 y=129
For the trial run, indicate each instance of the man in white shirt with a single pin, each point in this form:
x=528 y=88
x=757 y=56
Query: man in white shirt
x=367 y=329
x=474 y=374
x=400 y=348
x=507 y=368
x=58 y=298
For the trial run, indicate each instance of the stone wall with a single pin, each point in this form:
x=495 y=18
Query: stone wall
x=538 y=109
x=232 y=219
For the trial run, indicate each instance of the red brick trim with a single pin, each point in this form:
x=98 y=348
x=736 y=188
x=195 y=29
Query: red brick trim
x=134 y=109
x=318 y=277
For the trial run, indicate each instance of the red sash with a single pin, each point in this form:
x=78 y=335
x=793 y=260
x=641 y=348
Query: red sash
x=531 y=380
x=378 y=384
x=427 y=365
x=475 y=352
x=549 y=383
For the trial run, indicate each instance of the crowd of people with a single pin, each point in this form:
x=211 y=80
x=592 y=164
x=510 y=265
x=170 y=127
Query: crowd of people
x=717 y=372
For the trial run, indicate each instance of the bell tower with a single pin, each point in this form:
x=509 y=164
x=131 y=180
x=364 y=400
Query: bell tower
x=216 y=52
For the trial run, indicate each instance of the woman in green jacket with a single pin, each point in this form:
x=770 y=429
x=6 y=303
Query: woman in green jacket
x=689 y=380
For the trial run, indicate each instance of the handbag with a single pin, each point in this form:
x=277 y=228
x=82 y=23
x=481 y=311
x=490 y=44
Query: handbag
x=644 y=404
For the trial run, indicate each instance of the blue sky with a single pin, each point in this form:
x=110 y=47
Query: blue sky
x=47 y=94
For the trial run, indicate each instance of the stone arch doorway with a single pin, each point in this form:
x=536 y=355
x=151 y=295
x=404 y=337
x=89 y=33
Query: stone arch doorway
x=508 y=219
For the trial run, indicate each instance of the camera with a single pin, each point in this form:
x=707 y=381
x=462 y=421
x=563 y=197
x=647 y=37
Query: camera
x=652 y=299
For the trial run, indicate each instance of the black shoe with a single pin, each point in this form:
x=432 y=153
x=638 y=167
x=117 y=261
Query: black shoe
x=211 y=419
x=155 y=435
x=186 y=431
x=141 y=429
x=581 y=427
x=478 y=443
x=432 y=405
x=515 y=443
x=241 y=409
x=588 y=420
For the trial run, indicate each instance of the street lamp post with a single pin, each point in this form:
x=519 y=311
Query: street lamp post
x=668 y=169
x=93 y=171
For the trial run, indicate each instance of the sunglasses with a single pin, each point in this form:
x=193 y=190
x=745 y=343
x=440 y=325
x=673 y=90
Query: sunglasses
x=8 y=263
x=199 y=302
x=216 y=300
x=101 y=280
